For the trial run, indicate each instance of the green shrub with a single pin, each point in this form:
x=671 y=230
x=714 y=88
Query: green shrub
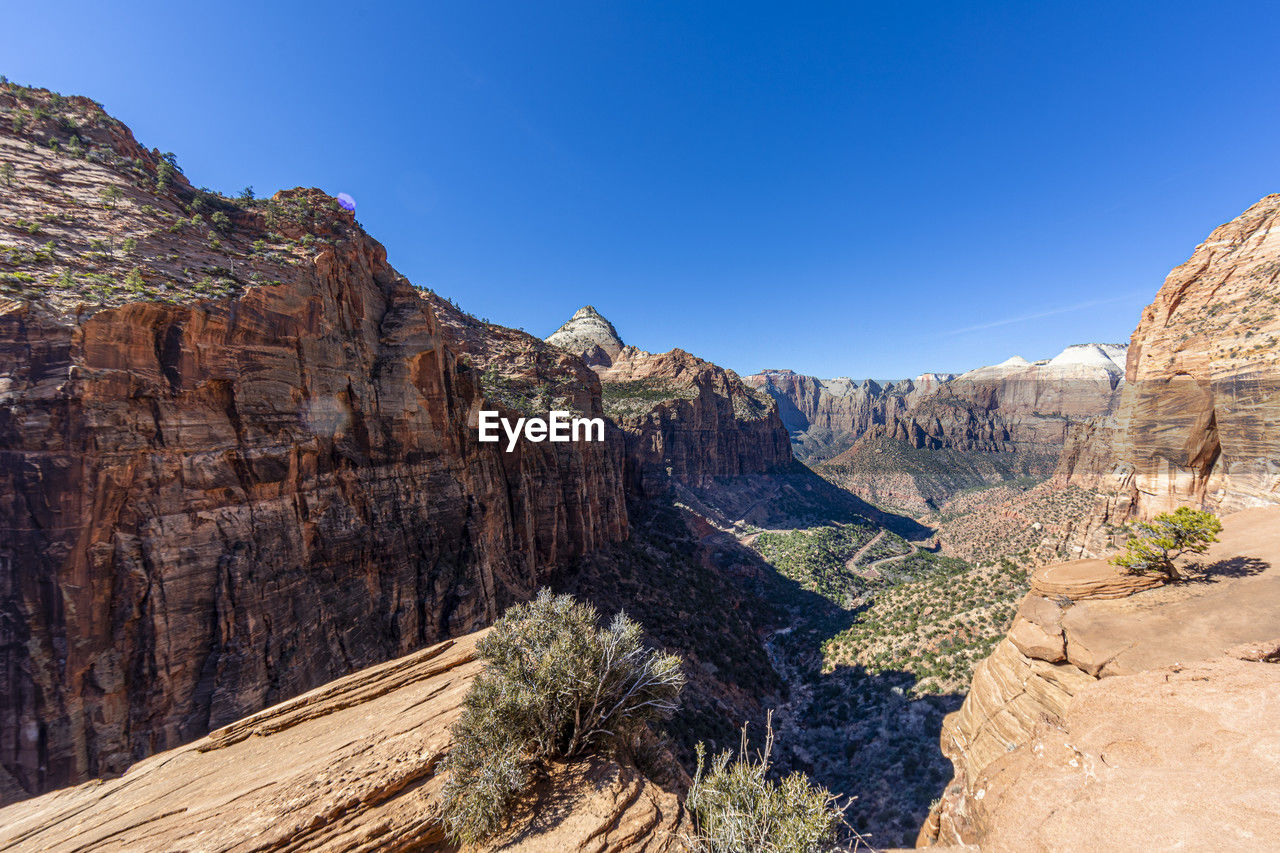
x=738 y=809
x=1157 y=543
x=557 y=686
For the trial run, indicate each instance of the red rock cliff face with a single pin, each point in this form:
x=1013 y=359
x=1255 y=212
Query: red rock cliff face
x=213 y=508
x=683 y=419
x=690 y=420
x=211 y=503
x=1196 y=421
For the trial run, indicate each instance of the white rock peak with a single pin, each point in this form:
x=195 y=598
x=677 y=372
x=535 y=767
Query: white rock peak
x=588 y=334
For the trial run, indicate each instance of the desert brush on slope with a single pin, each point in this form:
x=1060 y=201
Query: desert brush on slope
x=557 y=686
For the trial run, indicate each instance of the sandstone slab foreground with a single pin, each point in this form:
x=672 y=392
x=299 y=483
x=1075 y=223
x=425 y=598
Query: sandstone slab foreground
x=1150 y=722
x=352 y=766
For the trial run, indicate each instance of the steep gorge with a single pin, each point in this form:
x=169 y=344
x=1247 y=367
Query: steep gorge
x=238 y=454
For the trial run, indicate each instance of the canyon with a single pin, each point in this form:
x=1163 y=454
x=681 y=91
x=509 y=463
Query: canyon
x=259 y=469
x=914 y=444
x=250 y=513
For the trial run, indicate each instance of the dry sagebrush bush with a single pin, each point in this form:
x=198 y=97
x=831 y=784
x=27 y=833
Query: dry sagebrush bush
x=738 y=809
x=557 y=686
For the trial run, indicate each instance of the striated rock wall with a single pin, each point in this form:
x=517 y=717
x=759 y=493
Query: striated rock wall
x=363 y=774
x=841 y=407
x=683 y=419
x=690 y=420
x=246 y=472
x=1195 y=425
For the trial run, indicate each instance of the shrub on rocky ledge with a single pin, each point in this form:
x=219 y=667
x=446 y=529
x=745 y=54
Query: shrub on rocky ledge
x=738 y=809
x=1157 y=543
x=557 y=686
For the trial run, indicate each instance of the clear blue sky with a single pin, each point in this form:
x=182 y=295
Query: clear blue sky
x=845 y=188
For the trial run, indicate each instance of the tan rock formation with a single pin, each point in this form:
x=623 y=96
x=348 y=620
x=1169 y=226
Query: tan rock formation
x=351 y=766
x=917 y=444
x=840 y=410
x=1122 y=718
x=589 y=335
x=1195 y=422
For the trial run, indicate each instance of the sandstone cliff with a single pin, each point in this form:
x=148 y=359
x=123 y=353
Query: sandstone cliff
x=825 y=416
x=1195 y=423
x=236 y=453
x=590 y=335
x=1120 y=716
x=362 y=774
x=914 y=444
x=684 y=419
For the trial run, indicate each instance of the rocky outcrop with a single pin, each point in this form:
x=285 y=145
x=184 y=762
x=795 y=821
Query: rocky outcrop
x=363 y=773
x=1066 y=739
x=914 y=444
x=238 y=455
x=1195 y=422
x=589 y=335
x=684 y=419
x=1015 y=405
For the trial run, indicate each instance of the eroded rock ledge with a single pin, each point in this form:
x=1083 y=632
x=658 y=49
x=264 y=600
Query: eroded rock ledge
x=350 y=766
x=1148 y=721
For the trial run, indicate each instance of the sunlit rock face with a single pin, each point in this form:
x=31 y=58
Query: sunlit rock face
x=1195 y=424
x=684 y=419
x=216 y=498
x=1110 y=687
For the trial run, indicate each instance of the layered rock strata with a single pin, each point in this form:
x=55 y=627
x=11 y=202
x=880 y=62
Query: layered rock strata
x=238 y=455
x=683 y=418
x=1128 y=721
x=363 y=774
x=1195 y=424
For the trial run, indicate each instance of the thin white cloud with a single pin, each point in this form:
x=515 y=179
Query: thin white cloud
x=1092 y=303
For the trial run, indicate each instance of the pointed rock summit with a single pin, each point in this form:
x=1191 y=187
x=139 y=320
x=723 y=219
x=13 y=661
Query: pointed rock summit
x=589 y=335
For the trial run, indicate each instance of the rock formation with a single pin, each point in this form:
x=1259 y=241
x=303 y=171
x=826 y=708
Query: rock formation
x=1119 y=716
x=1195 y=423
x=239 y=455
x=913 y=444
x=1016 y=405
x=825 y=416
x=683 y=418
x=590 y=335
x=363 y=773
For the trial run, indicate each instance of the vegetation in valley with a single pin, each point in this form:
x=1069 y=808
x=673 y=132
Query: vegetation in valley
x=816 y=557
x=894 y=474
x=936 y=626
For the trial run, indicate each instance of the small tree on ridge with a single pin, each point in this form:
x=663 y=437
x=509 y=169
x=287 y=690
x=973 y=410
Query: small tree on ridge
x=1157 y=543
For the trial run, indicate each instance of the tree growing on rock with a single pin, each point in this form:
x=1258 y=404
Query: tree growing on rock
x=1155 y=544
x=557 y=686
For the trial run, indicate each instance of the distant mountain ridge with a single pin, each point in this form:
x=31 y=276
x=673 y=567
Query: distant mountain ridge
x=879 y=439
